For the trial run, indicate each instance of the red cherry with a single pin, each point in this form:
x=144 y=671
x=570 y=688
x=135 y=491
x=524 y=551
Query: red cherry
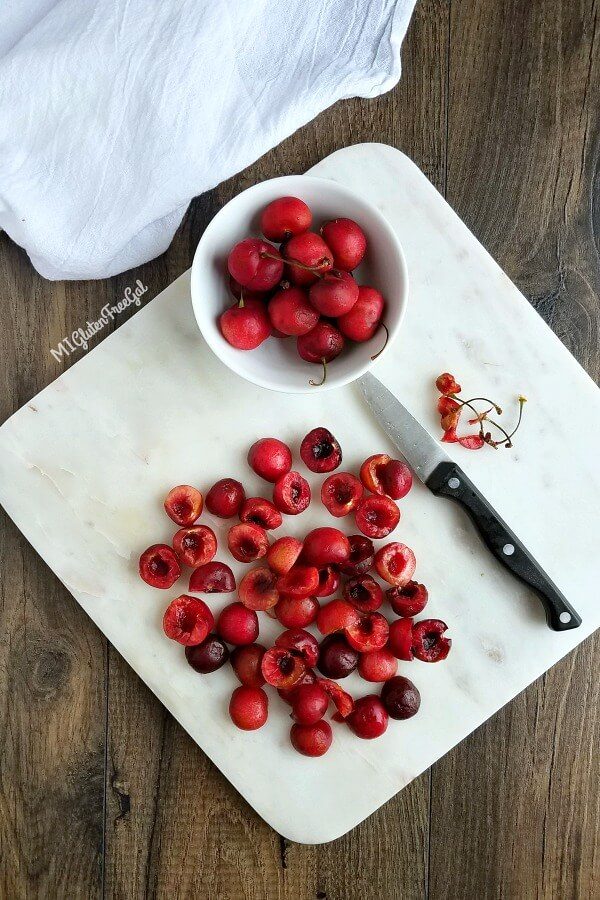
x=401 y=638
x=208 y=656
x=225 y=498
x=282 y=668
x=362 y=321
x=340 y=493
x=300 y=581
x=159 y=566
x=362 y=554
x=377 y=516
x=282 y=554
x=258 y=589
x=297 y=612
x=302 y=643
x=187 y=620
x=320 y=451
x=285 y=217
x=183 y=504
x=334 y=294
x=428 y=641
x=213 y=578
x=237 y=624
x=329 y=581
x=311 y=740
x=255 y=264
x=249 y=707
x=363 y=593
x=370 y=632
x=336 y=616
x=247 y=543
x=320 y=345
x=395 y=563
x=347 y=242
x=378 y=665
x=238 y=291
x=245 y=326
x=195 y=546
x=400 y=697
x=259 y=511
x=291 y=313
x=291 y=494
x=409 y=600
x=309 y=704
x=313 y=254
x=246 y=661
x=270 y=458
x=325 y=547
x=369 y=718
x=383 y=475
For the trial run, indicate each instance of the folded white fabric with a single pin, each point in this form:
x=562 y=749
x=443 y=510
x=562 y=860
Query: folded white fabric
x=115 y=113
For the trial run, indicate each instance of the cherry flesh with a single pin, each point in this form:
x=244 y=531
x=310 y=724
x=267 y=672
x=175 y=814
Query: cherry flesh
x=187 y=620
x=340 y=493
x=291 y=494
x=320 y=451
x=383 y=475
x=183 y=504
x=247 y=542
x=159 y=566
x=259 y=511
x=362 y=555
x=376 y=516
x=428 y=641
x=301 y=642
x=282 y=668
x=395 y=563
x=195 y=546
x=409 y=600
x=329 y=580
x=370 y=632
x=363 y=592
x=258 y=589
x=300 y=581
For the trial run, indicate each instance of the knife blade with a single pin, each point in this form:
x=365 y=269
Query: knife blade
x=445 y=478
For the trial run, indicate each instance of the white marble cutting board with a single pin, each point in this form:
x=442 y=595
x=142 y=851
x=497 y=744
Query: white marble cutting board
x=84 y=467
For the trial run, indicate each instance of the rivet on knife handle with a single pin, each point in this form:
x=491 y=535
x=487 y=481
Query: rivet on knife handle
x=448 y=480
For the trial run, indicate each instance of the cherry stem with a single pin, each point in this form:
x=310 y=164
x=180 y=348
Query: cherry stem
x=483 y=417
x=316 y=270
x=324 y=378
x=476 y=400
x=387 y=337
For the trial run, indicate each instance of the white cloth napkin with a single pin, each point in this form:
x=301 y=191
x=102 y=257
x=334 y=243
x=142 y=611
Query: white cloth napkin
x=115 y=113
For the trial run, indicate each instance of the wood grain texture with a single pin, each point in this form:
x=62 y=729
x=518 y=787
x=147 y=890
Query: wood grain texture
x=519 y=800
x=101 y=793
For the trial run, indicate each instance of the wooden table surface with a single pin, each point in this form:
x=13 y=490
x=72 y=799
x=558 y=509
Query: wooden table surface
x=101 y=792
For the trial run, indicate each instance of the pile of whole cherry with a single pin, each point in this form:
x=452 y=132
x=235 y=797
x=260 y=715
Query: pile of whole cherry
x=304 y=289
x=289 y=585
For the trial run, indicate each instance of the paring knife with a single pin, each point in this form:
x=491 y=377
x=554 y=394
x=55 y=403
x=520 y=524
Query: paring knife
x=443 y=477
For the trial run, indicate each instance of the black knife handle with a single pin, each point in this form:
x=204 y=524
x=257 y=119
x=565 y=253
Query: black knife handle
x=448 y=480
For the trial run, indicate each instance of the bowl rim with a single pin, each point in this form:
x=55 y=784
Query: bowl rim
x=329 y=384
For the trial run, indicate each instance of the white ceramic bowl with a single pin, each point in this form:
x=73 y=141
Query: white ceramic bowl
x=276 y=364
